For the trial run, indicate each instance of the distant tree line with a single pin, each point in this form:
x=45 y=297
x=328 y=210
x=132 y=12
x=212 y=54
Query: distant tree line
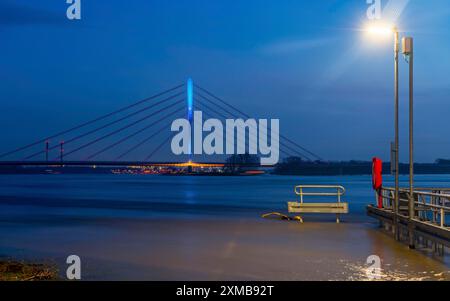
x=299 y=166
x=241 y=163
x=442 y=161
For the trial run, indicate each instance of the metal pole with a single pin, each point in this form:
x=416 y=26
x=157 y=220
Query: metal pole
x=411 y=146
x=46 y=150
x=396 y=197
x=61 y=151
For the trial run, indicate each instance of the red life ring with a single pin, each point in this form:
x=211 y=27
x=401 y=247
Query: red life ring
x=377 y=179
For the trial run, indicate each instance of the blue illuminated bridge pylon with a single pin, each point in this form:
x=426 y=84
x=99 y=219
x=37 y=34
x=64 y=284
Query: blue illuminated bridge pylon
x=190 y=107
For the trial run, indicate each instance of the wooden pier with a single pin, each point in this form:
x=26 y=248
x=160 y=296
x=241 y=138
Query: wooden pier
x=428 y=227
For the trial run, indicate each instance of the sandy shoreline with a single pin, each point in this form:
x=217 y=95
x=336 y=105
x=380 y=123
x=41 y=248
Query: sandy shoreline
x=227 y=249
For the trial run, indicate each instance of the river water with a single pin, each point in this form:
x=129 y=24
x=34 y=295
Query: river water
x=150 y=227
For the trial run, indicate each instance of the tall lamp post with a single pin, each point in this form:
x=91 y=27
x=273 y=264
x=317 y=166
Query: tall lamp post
x=407 y=50
x=396 y=151
x=387 y=31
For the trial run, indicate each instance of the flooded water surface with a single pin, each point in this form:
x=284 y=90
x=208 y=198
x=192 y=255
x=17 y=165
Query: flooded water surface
x=150 y=227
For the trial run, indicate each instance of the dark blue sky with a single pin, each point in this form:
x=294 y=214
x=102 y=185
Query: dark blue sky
x=304 y=62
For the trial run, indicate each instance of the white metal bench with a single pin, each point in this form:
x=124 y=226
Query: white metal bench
x=319 y=191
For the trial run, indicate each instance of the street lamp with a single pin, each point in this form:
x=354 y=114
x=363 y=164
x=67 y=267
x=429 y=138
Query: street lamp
x=407 y=50
x=380 y=29
x=386 y=30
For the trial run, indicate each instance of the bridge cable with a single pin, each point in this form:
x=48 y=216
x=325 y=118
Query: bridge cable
x=122 y=128
x=280 y=142
x=135 y=133
x=159 y=147
x=203 y=105
x=248 y=116
x=136 y=146
x=221 y=135
x=90 y=122
x=107 y=125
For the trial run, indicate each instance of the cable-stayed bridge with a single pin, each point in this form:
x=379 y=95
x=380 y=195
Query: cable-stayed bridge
x=139 y=130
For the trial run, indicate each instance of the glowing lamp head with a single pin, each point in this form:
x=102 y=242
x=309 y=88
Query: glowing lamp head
x=379 y=30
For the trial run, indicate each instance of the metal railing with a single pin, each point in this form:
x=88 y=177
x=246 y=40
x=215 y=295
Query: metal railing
x=312 y=190
x=431 y=204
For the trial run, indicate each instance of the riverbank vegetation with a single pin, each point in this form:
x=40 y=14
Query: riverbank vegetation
x=22 y=271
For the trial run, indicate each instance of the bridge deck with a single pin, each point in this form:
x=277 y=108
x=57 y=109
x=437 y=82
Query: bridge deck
x=126 y=163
